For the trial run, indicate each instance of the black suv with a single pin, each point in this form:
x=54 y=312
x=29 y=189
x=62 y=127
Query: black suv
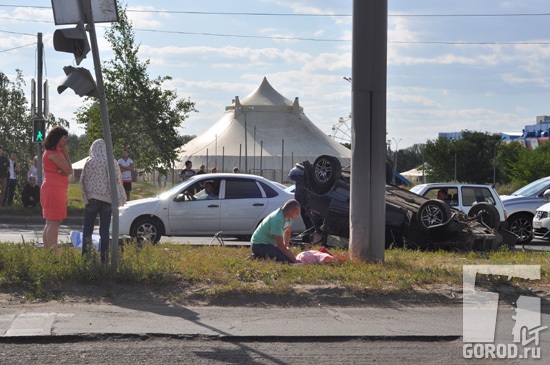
x=411 y=220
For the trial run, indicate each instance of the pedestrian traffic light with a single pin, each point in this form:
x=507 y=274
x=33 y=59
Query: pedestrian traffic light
x=80 y=80
x=39 y=130
x=72 y=40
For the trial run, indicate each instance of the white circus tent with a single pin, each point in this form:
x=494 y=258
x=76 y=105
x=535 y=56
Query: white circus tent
x=264 y=134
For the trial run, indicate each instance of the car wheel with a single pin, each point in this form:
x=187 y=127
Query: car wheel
x=522 y=226
x=146 y=228
x=416 y=238
x=487 y=213
x=433 y=212
x=326 y=170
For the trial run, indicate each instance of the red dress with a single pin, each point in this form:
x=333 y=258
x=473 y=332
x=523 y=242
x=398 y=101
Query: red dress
x=53 y=194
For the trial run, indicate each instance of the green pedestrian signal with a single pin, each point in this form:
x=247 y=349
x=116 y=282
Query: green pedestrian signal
x=39 y=131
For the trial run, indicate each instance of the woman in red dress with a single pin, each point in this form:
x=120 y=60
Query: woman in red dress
x=53 y=194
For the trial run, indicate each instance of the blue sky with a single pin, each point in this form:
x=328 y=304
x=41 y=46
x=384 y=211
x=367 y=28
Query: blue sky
x=452 y=65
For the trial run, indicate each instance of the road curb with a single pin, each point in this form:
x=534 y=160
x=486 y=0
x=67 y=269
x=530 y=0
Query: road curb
x=225 y=338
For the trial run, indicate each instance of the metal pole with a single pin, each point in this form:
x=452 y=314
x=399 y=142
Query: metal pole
x=254 y=145
x=282 y=160
x=245 y=146
x=495 y=165
x=261 y=157
x=395 y=159
x=39 y=104
x=423 y=164
x=455 y=165
x=106 y=131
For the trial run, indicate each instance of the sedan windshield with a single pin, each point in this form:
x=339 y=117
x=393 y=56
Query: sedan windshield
x=178 y=187
x=534 y=188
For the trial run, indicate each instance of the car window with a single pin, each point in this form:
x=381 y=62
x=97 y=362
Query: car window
x=242 y=189
x=452 y=194
x=269 y=191
x=197 y=191
x=472 y=195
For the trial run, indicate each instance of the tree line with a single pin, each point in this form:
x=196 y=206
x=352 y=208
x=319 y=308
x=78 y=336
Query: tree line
x=477 y=157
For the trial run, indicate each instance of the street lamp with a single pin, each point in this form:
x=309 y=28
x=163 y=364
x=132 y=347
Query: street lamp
x=395 y=157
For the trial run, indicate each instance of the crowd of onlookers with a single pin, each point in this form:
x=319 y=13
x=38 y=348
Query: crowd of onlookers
x=188 y=171
x=9 y=171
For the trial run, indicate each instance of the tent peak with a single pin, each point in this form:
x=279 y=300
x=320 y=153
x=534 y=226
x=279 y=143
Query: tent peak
x=265 y=94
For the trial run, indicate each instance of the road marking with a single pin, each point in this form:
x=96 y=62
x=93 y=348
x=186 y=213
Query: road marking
x=32 y=324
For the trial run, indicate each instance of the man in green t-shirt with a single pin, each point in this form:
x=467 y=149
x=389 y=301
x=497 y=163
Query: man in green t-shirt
x=272 y=237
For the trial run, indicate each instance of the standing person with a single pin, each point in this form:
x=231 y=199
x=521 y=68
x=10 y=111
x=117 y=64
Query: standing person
x=33 y=169
x=214 y=170
x=236 y=170
x=272 y=237
x=31 y=193
x=4 y=174
x=126 y=165
x=188 y=171
x=12 y=181
x=201 y=170
x=53 y=197
x=96 y=194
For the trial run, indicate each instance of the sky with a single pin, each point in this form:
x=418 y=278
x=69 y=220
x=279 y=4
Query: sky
x=452 y=65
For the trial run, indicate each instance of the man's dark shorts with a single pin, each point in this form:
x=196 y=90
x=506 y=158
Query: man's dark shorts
x=127 y=186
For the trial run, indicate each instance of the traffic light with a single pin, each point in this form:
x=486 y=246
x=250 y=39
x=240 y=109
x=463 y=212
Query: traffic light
x=72 y=40
x=80 y=80
x=39 y=131
x=75 y=41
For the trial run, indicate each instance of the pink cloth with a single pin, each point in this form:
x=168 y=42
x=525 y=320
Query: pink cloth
x=314 y=256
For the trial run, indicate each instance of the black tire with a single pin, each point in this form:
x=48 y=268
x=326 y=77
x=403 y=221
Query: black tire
x=521 y=225
x=147 y=228
x=487 y=213
x=433 y=212
x=326 y=170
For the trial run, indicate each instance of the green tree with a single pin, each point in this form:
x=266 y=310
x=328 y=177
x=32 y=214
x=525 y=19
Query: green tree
x=78 y=147
x=408 y=158
x=143 y=116
x=531 y=164
x=439 y=155
x=15 y=119
x=467 y=159
x=507 y=156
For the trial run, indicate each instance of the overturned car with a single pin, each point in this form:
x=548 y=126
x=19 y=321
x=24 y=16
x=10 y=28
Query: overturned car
x=323 y=189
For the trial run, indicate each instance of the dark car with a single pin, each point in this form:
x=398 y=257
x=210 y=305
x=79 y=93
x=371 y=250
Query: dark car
x=411 y=220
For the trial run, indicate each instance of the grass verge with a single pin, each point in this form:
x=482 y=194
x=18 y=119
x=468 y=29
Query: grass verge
x=221 y=272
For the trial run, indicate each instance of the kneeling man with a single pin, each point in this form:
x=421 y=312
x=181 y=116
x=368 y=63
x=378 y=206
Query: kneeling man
x=272 y=237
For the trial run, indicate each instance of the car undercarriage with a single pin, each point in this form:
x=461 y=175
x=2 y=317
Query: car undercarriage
x=412 y=221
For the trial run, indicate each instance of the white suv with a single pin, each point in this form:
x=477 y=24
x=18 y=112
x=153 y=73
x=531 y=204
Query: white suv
x=463 y=196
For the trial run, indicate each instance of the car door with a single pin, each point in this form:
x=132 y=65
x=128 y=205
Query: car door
x=192 y=213
x=243 y=204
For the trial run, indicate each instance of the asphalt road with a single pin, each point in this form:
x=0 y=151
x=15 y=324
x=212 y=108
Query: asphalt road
x=18 y=233
x=204 y=351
